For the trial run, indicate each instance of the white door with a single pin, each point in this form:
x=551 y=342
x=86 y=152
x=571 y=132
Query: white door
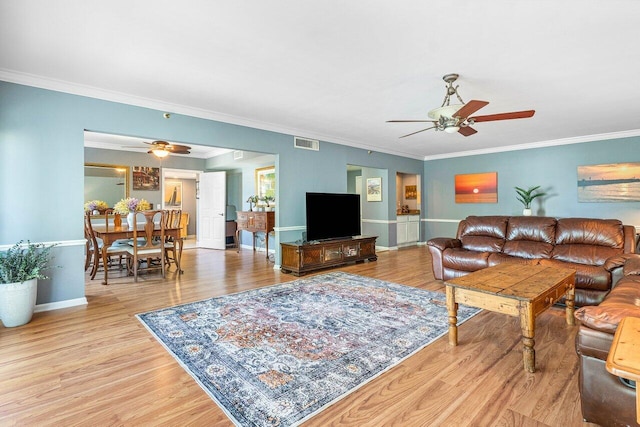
x=211 y=210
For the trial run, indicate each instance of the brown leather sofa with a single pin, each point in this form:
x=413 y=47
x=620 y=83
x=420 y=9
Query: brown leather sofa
x=593 y=247
x=605 y=398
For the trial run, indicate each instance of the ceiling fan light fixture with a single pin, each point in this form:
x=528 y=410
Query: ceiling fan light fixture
x=447 y=111
x=452 y=129
x=160 y=152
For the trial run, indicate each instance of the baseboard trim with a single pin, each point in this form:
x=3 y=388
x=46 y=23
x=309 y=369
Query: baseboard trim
x=60 y=304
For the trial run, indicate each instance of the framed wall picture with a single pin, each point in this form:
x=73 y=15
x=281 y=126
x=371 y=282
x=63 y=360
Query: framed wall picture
x=173 y=195
x=266 y=181
x=374 y=189
x=146 y=178
x=411 y=192
x=477 y=188
x=614 y=182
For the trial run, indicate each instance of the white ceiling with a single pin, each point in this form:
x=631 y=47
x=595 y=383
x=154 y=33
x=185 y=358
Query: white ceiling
x=336 y=70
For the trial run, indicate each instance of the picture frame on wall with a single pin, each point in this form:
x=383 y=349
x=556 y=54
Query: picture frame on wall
x=411 y=192
x=605 y=183
x=374 y=189
x=146 y=178
x=266 y=181
x=173 y=195
x=477 y=187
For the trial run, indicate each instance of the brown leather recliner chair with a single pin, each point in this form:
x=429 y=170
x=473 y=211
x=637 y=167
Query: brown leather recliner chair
x=606 y=399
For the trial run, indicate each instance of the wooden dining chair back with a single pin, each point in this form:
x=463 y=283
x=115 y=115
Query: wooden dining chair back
x=173 y=221
x=95 y=248
x=149 y=224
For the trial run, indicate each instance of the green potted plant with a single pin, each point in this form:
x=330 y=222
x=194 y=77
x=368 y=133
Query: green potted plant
x=20 y=268
x=252 y=200
x=526 y=197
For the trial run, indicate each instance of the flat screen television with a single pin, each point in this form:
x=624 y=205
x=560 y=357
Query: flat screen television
x=332 y=216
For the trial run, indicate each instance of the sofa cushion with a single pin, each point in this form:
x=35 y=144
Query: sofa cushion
x=533 y=228
x=588 y=241
x=483 y=233
x=623 y=301
x=587 y=276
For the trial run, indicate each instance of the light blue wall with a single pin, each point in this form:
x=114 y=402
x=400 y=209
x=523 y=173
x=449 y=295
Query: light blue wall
x=553 y=168
x=42 y=175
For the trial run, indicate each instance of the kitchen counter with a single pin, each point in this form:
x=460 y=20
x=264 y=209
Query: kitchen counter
x=410 y=212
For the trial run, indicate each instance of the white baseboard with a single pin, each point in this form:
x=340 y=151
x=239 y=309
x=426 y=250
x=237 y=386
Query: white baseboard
x=60 y=304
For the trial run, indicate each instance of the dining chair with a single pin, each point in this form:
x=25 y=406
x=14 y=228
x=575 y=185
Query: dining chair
x=95 y=248
x=173 y=221
x=146 y=246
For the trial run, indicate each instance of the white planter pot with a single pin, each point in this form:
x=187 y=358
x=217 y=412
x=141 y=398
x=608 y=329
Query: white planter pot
x=526 y=212
x=17 y=302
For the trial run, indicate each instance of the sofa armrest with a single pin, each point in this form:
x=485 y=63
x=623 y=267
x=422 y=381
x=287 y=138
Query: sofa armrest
x=442 y=243
x=617 y=261
x=623 y=301
x=632 y=266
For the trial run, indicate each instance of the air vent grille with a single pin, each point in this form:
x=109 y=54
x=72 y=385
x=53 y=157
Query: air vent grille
x=237 y=154
x=306 y=143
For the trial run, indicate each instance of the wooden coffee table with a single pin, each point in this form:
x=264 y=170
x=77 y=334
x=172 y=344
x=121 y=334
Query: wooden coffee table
x=518 y=290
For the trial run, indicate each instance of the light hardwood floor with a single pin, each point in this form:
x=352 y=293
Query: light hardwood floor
x=97 y=365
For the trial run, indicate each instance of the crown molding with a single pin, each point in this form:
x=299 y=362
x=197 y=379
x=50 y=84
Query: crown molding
x=541 y=144
x=124 y=98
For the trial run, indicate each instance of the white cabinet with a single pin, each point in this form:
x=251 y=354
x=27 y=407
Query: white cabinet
x=408 y=231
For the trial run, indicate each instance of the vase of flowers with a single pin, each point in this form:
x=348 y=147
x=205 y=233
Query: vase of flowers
x=129 y=207
x=20 y=268
x=95 y=206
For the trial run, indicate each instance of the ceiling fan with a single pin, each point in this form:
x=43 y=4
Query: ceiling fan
x=164 y=148
x=453 y=118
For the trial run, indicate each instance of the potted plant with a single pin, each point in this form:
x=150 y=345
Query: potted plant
x=526 y=197
x=20 y=268
x=252 y=200
x=266 y=200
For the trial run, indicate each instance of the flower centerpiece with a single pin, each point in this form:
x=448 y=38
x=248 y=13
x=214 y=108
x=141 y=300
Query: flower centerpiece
x=95 y=205
x=129 y=206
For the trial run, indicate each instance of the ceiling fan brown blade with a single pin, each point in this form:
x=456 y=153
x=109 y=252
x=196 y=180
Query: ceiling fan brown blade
x=467 y=131
x=409 y=121
x=409 y=134
x=470 y=108
x=504 y=116
x=178 y=149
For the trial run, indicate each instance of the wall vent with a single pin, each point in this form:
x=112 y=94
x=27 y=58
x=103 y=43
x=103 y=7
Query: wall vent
x=237 y=154
x=306 y=143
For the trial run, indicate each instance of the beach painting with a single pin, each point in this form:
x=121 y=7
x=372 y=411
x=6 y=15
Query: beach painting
x=614 y=182
x=477 y=188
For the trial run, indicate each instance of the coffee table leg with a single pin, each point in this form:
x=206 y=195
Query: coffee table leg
x=569 y=301
x=452 y=308
x=527 y=325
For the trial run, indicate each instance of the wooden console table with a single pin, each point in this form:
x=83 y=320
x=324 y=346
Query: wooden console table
x=624 y=356
x=255 y=222
x=300 y=258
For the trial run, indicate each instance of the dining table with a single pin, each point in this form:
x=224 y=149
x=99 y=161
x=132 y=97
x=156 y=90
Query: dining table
x=110 y=233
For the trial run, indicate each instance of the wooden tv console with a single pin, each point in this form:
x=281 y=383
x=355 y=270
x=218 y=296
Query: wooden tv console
x=301 y=258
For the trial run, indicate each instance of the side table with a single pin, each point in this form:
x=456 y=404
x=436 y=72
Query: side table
x=624 y=356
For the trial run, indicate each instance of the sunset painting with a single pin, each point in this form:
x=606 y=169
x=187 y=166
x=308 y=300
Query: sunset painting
x=477 y=188
x=614 y=182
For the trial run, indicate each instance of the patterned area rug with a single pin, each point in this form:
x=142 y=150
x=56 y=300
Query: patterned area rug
x=276 y=356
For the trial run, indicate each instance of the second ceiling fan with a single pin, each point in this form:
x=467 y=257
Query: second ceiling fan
x=453 y=118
